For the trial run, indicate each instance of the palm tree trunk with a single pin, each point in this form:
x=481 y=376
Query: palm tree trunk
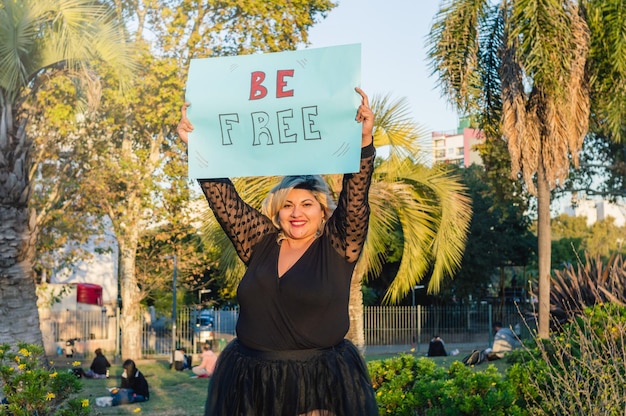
x=544 y=249
x=18 y=232
x=18 y=301
x=356 y=333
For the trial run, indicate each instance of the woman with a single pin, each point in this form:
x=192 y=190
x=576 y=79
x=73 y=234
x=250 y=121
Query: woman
x=207 y=365
x=134 y=387
x=290 y=356
x=99 y=366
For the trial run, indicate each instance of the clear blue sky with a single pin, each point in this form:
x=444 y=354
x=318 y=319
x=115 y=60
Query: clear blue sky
x=392 y=35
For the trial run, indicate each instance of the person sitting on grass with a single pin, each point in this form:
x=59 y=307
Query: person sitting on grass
x=205 y=369
x=134 y=387
x=99 y=366
x=436 y=347
x=504 y=341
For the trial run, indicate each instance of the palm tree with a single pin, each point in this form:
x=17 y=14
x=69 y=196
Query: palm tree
x=428 y=206
x=523 y=67
x=39 y=40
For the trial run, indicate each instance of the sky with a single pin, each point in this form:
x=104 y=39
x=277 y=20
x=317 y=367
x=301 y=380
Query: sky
x=392 y=34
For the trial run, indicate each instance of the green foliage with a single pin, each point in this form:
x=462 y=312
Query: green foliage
x=606 y=66
x=577 y=371
x=572 y=237
x=499 y=232
x=408 y=386
x=33 y=388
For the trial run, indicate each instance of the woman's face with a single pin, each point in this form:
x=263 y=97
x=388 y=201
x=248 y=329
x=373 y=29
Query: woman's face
x=301 y=215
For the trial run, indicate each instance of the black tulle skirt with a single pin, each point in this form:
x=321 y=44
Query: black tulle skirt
x=248 y=382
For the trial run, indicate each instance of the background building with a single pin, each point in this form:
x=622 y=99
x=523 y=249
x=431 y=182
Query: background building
x=597 y=210
x=457 y=147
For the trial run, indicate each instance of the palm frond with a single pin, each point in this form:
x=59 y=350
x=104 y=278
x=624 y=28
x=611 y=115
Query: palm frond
x=447 y=210
x=607 y=65
x=454 y=49
x=394 y=126
x=59 y=34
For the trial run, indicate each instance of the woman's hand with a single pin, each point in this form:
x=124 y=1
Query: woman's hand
x=184 y=125
x=365 y=116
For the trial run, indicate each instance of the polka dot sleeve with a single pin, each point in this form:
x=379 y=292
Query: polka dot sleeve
x=243 y=225
x=349 y=223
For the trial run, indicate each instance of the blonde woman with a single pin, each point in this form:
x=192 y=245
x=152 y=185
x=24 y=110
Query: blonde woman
x=290 y=356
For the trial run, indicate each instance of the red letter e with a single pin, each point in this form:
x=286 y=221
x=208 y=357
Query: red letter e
x=281 y=83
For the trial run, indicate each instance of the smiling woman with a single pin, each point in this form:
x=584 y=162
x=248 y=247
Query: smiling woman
x=299 y=206
x=290 y=356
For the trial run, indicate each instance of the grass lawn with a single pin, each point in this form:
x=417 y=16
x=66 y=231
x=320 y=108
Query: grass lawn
x=175 y=393
x=172 y=393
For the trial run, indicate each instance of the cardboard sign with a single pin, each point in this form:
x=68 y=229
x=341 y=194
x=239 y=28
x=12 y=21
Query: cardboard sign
x=285 y=113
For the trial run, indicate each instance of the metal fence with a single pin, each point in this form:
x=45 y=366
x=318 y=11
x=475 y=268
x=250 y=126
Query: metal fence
x=157 y=337
x=456 y=324
x=85 y=330
x=383 y=325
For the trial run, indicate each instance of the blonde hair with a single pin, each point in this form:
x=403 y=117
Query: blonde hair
x=278 y=195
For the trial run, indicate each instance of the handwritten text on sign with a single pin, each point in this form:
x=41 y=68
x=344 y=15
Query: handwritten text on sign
x=287 y=113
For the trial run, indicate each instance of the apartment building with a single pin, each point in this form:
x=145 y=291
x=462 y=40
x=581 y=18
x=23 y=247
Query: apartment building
x=457 y=147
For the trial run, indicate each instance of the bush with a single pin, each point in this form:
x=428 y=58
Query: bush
x=588 y=283
x=32 y=387
x=578 y=371
x=408 y=386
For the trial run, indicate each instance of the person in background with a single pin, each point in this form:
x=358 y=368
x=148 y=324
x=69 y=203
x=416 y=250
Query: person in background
x=99 y=366
x=504 y=341
x=134 y=387
x=182 y=361
x=206 y=367
x=290 y=356
x=436 y=347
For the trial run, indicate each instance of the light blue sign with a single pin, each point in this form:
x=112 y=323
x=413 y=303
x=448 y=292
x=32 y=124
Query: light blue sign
x=285 y=113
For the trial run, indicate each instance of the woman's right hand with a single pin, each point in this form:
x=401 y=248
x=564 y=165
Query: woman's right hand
x=184 y=125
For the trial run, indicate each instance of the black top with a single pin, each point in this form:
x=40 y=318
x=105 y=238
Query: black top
x=137 y=382
x=307 y=307
x=100 y=364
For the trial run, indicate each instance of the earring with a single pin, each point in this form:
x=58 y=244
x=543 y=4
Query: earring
x=319 y=230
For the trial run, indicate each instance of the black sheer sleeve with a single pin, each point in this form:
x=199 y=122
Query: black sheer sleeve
x=243 y=224
x=348 y=224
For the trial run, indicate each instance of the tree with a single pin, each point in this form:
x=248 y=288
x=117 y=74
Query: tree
x=135 y=144
x=426 y=205
x=499 y=234
x=527 y=69
x=39 y=42
x=574 y=239
x=602 y=169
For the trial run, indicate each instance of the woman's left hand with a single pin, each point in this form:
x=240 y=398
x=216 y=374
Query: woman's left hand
x=365 y=116
x=184 y=125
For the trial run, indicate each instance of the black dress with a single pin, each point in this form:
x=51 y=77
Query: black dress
x=290 y=355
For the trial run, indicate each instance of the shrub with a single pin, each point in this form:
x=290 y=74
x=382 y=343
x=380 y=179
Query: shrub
x=578 y=371
x=588 y=283
x=408 y=386
x=32 y=387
